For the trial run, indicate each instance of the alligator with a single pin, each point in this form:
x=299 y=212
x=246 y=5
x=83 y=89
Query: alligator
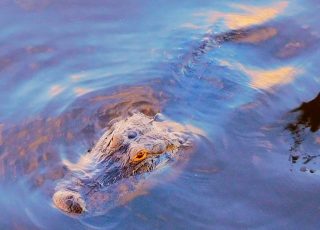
x=132 y=147
x=36 y=141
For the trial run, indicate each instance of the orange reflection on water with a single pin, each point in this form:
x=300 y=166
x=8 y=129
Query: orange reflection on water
x=80 y=91
x=78 y=76
x=192 y=26
x=254 y=15
x=250 y=15
x=265 y=79
x=290 y=49
x=259 y=35
x=35 y=144
x=55 y=90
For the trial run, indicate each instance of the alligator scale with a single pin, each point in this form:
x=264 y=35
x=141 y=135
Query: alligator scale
x=126 y=153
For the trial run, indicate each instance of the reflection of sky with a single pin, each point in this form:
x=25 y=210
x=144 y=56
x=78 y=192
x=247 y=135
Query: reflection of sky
x=49 y=45
x=103 y=47
x=53 y=52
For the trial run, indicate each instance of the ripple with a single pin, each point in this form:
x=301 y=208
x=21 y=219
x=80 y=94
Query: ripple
x=233 y=70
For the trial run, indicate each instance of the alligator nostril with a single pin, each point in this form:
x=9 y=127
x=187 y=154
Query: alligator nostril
x=132 y=134
x=69 y=202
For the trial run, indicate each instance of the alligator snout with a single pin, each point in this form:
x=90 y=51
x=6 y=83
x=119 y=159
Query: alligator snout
x=69 y=202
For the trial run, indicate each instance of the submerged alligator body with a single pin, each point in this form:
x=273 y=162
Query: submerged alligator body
x=113 y=168
x=136 y=146
x=130 y=149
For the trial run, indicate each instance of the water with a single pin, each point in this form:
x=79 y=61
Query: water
x=67 y=67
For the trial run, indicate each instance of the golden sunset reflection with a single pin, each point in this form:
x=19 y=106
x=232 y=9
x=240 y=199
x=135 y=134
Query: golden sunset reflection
x=259 y=35
x=265 y=79
x=55 y=90
x=80 y=91
x=248 y=15
x=254 y=15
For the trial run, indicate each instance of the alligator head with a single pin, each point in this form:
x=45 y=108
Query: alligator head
x=128 y=151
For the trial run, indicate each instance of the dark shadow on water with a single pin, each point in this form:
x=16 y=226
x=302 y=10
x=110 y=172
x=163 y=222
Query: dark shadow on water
x=306 y=123
x=309 y=116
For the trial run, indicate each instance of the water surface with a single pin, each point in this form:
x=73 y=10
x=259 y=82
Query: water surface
x=235 y=70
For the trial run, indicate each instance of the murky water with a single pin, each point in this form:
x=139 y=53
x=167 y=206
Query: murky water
x=233 y=69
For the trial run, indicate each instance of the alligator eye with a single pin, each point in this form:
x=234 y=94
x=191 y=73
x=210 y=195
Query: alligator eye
x=132 y=134
x=141 y=155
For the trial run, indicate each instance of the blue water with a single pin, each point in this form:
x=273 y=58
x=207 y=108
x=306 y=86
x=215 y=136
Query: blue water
x=58 y=57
